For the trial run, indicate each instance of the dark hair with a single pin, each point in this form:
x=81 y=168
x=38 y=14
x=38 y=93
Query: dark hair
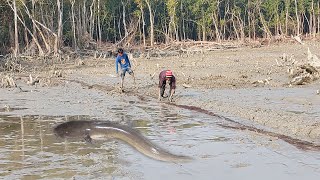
x=120 y=50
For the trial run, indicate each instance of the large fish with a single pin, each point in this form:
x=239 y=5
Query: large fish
x=98 y=130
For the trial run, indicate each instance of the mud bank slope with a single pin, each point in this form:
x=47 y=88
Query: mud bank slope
x=226 y=82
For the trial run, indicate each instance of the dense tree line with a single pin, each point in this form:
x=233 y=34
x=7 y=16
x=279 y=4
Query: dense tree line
x=42 y=27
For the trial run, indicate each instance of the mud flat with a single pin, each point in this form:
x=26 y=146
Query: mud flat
x=225 y=115
x=251 y=84
x=30 y=150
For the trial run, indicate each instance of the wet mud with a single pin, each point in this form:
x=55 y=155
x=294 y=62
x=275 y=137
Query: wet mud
x=304 y=145
x=230 y=127
x=301 y=144
x=30 y=149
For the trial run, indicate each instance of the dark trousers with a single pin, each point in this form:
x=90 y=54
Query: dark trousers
x=163 y=88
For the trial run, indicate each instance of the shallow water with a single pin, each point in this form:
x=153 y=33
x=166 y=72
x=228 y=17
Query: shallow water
x=30 y=150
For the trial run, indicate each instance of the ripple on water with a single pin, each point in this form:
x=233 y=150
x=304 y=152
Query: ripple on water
x=29 y=149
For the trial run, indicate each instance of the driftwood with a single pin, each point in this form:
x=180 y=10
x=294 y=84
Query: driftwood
x=55 y=73
x=109 y=50
x=298 y=39
x=79 y=62
x=10 y=64
x=8 y=82
x=302 y=71
x=185 y=48
x=301 y=79
x=32 y=81
x=264 y=81
x=303 y=74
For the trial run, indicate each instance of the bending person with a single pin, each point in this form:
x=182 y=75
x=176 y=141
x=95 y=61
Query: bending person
x=164 y=77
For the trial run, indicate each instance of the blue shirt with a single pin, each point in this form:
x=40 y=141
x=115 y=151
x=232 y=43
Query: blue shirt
x=123 y=61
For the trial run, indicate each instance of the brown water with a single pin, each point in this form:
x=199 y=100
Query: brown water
x=30 y=150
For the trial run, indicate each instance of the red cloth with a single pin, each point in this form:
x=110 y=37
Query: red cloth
x=163 y=80
x=169 y=73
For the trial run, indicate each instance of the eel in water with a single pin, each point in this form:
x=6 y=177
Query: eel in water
x=97 y=130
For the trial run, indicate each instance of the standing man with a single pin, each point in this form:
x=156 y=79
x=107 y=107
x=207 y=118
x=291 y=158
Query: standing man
x=125 y=65
x=164 y=77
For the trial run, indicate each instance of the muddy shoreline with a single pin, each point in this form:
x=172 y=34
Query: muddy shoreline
x=221 y=82
x=220 y=117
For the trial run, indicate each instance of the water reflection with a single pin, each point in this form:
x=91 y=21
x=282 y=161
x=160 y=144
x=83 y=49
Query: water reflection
x=29 y=149
x=142 y=125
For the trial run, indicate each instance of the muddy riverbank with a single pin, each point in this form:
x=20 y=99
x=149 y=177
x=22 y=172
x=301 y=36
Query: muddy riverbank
x=252 y=84
x=30 y=150
x=223 y=110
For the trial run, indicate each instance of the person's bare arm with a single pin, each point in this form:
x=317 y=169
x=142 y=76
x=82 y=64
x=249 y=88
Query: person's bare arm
x=172 y=91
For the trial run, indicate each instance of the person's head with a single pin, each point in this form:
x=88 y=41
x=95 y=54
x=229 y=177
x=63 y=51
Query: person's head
x=169 y=75
x=120 y=51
